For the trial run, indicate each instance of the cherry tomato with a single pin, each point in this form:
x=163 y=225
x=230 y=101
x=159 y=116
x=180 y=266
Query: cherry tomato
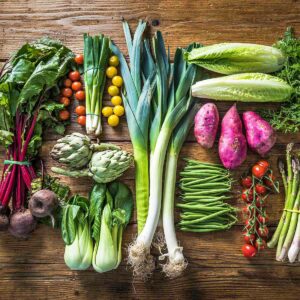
x=67 y=92
x=248 y=224
x=76 y=86
x=258 y=171
x=64 y=115
x=260 y=244
x=80 y=95
x=247 y=182
x=264 y=164
x=263 y=219
x=263 y=231
x=248 y=210
x=247 y=195
x=260 y=189
x=65 y=101
x=81 y=120
x=259 y=202
x=270 y=181
x=67 y=82
x=249 y=238
x=74 y=75
x=80 y=110
x=249 y=250
x=79 y=59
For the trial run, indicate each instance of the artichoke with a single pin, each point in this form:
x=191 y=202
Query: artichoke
x=73 y=150
x=107 y=163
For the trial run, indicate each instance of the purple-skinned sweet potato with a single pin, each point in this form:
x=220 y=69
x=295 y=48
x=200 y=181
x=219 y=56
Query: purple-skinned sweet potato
x=260 y=135
x=206 y=125
x=232 y=144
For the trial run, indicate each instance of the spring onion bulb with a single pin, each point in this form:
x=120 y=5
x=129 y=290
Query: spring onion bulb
x=96 y=54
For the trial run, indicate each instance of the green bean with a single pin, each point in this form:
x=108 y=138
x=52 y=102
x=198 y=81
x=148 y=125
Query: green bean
x=204 y=198
x=206 y=186
x=195 y=162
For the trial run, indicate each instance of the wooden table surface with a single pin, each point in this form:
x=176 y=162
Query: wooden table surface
x=35 y=269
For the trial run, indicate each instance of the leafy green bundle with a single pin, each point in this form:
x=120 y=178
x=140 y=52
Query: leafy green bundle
x=28 y=82
x=287 y=118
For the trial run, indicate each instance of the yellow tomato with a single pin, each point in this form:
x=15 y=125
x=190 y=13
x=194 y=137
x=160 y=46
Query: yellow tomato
x=119 y=110
x=114 y=61
x=116 y=100
x=113 y=120
x=111 y=72
x=113 y=90
x=107 y=111
x=117 y=81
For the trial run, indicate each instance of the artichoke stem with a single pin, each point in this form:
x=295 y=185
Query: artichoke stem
x=70 y=173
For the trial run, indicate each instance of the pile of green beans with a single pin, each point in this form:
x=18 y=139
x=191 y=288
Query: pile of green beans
x=204 y=187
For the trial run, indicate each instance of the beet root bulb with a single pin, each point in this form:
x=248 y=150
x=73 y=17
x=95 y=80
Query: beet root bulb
x=22 y=223
x=42 y=203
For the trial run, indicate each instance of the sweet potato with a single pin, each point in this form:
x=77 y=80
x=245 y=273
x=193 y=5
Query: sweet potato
x=259 y=133
x=232 y=144
x=206 y=125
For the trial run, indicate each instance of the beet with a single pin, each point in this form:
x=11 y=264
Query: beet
x=42 y=203
x=22 y=223
x=4 y=222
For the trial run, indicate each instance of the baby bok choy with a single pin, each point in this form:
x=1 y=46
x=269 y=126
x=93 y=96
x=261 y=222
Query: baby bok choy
x=76 y=234
x=233 y=58
x=110 y=211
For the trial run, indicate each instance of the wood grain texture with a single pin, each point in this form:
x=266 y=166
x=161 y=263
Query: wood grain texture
x=34 y=269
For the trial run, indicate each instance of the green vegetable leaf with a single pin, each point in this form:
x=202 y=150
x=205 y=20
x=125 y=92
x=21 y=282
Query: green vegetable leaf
x=123 y=199
x=68 y=226
x=97 y=200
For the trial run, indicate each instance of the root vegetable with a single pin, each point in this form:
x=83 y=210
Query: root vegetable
x=232 y=144
x=260 y=134
x=22 y=223
x=206 y=125
x=42 y=203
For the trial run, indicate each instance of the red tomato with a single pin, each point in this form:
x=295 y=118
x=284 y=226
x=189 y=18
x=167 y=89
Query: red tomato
x=80 y=110
x=249 y=238
x=76 y=86
x=65 y=101
x=80 y=95
x=263 y=219
x=260 y=189
x=259 y=202
x=67 y=92
x=260 y=244
x=258 y=171
x=270 y=181
x=249 y=250
x=247 y=182
x=64 y=115
x=74 y=75
x=263 y=231
x=247 y=195
x=264 y=164
x=248 y=224
x=81 y=120
x=79 y=59
x=67 y=82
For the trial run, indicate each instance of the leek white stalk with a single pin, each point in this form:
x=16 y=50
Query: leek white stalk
x=176 y=263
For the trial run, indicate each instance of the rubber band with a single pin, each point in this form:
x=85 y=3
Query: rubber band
x=292 y=210
x=90 y=114
x=14 y=162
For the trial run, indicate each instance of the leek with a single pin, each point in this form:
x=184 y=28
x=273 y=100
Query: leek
x=137 y=100
x=171 y=105
x=96 y=54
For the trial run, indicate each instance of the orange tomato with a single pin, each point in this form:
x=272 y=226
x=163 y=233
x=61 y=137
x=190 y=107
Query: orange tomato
x=66 y=92
x=80 y=110
x=64 y=115
x=79 y=59
x=74 y=75
x=76 y=86
x=81 y=120
x=67 y=82
x=65 y=101
x=80 y=95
